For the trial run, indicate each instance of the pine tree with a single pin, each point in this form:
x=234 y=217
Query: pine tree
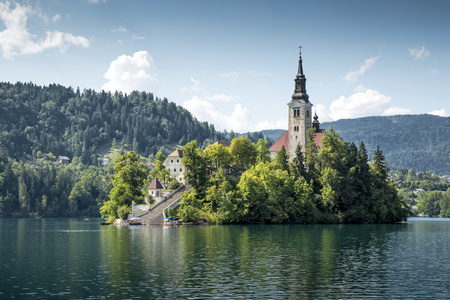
x=379 y=164
x=297 y=166
x=281 y=159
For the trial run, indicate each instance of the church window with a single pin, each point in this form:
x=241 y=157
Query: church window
x=307 y=112
x=171 y=161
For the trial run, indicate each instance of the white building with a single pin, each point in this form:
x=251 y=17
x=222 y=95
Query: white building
x=175 y=166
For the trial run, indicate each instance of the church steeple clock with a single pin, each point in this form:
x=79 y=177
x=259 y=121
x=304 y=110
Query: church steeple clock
x=299 y=112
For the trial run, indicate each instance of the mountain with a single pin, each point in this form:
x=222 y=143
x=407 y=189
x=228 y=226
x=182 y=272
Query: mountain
x=420 y=142
x=36 y=120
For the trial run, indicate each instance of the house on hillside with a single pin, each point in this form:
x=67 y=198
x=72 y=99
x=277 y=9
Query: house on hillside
x=175 y=166
x=300 y=119
x=63 y=160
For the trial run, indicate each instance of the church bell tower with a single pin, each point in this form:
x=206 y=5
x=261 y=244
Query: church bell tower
x=300 y=119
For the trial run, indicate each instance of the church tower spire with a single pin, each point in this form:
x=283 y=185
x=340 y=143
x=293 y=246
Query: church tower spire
x=300 y=117
x=300 y=83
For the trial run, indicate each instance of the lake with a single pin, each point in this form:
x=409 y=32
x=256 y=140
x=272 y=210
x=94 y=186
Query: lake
x=77 y=259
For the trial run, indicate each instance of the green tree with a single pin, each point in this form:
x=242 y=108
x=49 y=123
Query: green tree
x=303 y=210
x=334 y=169
x=244 y=153
x=429 y=203
x=445 y=205
x=128 y=185
x=379 y=164
x=297 y=166
x=266 y=194
x=312 y=162
x=189 y=209
x=220 y=201
x=281 y=159
x=217 y=156
x=195 y=165
x=263 y=153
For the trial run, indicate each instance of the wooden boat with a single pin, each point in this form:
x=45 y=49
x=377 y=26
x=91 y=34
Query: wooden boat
x=134 y=223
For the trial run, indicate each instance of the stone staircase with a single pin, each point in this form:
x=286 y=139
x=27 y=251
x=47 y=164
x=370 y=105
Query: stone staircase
x=156 y=215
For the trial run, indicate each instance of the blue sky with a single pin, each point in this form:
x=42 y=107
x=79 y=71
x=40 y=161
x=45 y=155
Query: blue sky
x=233 y=63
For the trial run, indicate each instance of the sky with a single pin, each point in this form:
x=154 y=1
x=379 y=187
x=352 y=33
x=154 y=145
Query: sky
x=233 y=63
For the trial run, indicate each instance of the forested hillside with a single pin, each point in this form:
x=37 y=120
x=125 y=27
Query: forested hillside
x=54 y=119
x=420 y=142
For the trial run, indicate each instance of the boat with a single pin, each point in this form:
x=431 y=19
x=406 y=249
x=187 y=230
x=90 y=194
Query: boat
x=134 y=221
x=171 y=222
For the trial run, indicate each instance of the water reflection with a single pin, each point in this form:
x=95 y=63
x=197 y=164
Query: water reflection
x=80 y=259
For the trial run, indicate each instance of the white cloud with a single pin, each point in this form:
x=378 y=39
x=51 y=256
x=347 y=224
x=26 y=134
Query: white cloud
x=441 y=113
x=97 y=1
x=322 y=113
x=239 y=120
x=129 y=73
x=119 y=29
x=56 y=18
x=392 y=111
x=137 y=37
x=194 y=88
x=361 y=104
x=62 y=40
x=221 y=97
x=352 y=76
x=16 y=40
x=419 y=53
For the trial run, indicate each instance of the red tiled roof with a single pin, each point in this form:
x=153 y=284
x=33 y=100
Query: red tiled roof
x=155 y=185
x=282 y=141
x=225 y=144
x=178 y=153
x=318 y=138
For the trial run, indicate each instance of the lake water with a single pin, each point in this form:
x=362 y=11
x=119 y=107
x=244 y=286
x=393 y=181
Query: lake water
x=77 y=259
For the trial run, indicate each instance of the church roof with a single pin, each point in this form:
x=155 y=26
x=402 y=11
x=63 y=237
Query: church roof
x=178 y=153
x=318 y=138
x=282 y=141
x=155 y=185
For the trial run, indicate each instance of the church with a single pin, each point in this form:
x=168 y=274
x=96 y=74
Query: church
x=300 y=119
